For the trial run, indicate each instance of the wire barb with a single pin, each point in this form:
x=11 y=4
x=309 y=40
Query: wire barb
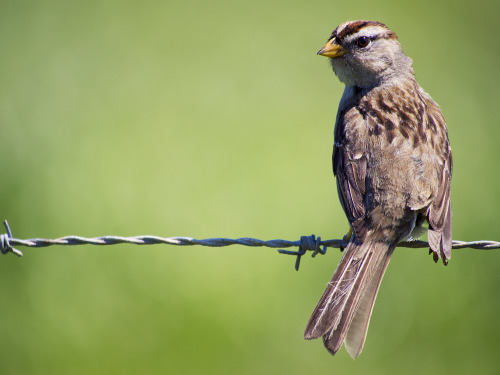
x=5 y=246
x=307 y=243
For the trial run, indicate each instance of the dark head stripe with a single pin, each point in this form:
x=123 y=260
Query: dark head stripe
x=354 y=26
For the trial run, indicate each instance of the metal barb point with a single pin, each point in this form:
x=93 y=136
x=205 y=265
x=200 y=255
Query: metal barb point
x=306 y=243
x=5 y=246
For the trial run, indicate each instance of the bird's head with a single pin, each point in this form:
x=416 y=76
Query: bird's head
x=366 y=54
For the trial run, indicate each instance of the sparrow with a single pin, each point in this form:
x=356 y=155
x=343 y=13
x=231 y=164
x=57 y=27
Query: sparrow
x=393 y=165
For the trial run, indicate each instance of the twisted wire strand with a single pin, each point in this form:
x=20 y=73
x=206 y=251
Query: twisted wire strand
x=151 y=240
x=221 y=242
x=306 y=243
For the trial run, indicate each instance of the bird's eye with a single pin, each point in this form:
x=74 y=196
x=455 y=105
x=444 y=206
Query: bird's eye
x=363 y=41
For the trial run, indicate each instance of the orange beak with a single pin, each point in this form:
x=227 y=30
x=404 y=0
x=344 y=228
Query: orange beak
x=331 y=49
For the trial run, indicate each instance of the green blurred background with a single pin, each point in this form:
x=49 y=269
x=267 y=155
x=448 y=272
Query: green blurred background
x=215 y=119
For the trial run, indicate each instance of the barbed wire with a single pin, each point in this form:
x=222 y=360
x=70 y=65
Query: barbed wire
x=305 y=244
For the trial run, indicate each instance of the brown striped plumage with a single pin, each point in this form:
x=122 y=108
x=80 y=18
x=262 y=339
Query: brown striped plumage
x=393 y=164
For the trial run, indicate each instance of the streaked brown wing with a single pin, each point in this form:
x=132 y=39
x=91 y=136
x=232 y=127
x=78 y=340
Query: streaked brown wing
x=439 y=214
x=350 y=169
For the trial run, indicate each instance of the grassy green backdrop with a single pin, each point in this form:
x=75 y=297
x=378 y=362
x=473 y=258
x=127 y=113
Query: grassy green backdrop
x=214 y=119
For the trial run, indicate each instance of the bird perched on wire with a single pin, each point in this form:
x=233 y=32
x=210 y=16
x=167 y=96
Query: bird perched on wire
x=393 y=165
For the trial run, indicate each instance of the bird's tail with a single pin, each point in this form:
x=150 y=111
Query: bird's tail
x=344 y=310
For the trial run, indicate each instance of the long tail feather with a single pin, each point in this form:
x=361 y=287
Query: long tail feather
x=356 y=334
x=348 y=299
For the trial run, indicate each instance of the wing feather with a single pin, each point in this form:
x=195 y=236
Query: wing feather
x=350 y=166
x=439 y=212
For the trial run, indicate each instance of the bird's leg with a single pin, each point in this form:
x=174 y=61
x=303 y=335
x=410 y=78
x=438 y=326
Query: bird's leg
x=347 y=238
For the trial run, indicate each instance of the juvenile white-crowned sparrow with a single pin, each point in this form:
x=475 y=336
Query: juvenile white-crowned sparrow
x=393 y=164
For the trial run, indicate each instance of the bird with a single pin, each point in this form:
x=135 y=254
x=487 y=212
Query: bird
x=393 y=165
